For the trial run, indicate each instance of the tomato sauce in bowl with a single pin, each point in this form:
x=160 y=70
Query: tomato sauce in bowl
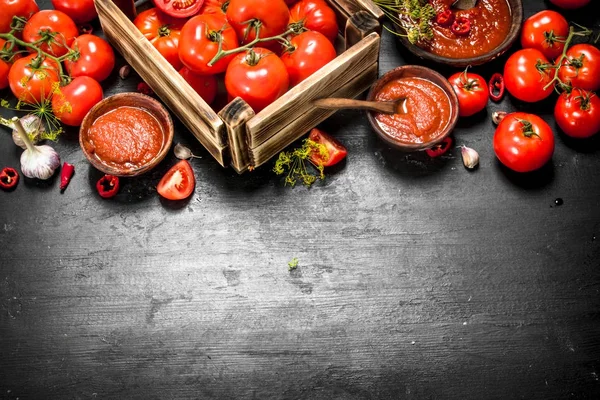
x=126 y=134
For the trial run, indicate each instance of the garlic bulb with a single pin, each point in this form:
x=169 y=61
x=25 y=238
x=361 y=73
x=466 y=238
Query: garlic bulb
x=36 y=161
x=469 y=156
x=33 y=126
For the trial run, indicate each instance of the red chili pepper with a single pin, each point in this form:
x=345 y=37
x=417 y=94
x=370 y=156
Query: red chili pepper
x=445 y=18
x=66 y=173
x=144 y=88
x=496 y=86
x=107 y=186
x=461 y=26
x=9 y=177
x=440 y=148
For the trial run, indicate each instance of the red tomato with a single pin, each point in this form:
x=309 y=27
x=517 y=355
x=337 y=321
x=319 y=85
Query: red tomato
x=56 y=29
x=15 y=8
x=5 y=63
x=336 y=151
x=578 y=113
x=205 y=85
x=214 y=7
x=570 y=4
x=32 y=78
x=93 y=57
x=523 y=142
x=179 y=8
x=178 y=183
x=527 y=73
x=163 y=31
x=72 y=102
x=249 y=16
x=80 y=11
x=258 y=76
x=315 y=15
x=546 y=31
x=199 y=43
x=471 y=90
x=308 y=52
x=581 y=67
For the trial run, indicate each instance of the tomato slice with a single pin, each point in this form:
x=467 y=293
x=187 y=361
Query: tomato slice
x=178 y=183
x=179 y=8
x=337 y=151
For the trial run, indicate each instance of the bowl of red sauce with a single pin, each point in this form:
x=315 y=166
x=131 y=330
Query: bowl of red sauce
x=126 y=134
x=430 y=110
x=460 y=38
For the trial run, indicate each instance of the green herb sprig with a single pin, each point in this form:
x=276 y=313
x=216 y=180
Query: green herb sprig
x=414 y=16
x=294 y=162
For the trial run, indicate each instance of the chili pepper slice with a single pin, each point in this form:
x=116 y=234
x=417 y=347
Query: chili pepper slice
x=445 y=18
x=496 y=86
x=144 y=88
x=461 y=26
x=66 y=173
x=107 y=186
x=9 y=177
x=440 y=148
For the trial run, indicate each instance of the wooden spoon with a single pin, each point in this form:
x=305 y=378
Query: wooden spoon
x=397 y=106
x=464 y=4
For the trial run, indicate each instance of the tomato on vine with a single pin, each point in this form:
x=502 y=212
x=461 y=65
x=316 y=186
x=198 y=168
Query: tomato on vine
x=545 y=31
x=306 y=54
x=17 y=8
x=471 y=90
x=53 y=30
x=315 y=15
x=163 y=31
x=523 y=142
x=92 y=56
x=252 y=18
x=72 y=102
x=581 y=67
x=33 y=78
x=80 y=11
x=578 y=113
x=528 y=75
x=258 y=76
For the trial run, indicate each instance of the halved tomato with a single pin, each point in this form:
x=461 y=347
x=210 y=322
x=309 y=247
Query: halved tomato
x=337 y=151
x=178 y=183
x=179 y=8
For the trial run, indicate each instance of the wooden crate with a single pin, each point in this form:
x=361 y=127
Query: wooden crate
x=235 y=135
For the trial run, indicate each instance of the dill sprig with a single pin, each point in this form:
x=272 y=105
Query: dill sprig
x=413 y=16
x=295 y=163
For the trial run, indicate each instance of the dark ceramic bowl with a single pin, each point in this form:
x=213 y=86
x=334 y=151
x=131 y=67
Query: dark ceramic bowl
x=516 y=10
x=417 y=71
x=131 y=99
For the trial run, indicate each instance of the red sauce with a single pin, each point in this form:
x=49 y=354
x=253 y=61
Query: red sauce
x=126 y=138
x=490 y=24
x=428 y=110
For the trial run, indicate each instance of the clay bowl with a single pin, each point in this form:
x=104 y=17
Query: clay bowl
x=516 y=9
x=416 y=71
x=109 y=104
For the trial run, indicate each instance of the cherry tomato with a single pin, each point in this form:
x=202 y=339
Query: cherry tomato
x=570 y=4
x=15 y=8
x=336 y=151
x=178 y=183
x=578 y=113
x=315 y=15
x=527 y=73
x=56 y=29
x=205 y=85
x=581 y=67
x=72 y=102
x=308 y=52
x=523 y=142
x=249 y=17
x=545 y=31
x=199 y=43
x=32 y=78
x=258 y=76
x=471 y=90
x=163 y=31
x=93 y=57
x=80 y=11
x=179 y=8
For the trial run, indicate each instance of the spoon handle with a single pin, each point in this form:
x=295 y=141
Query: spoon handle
x=339 y=104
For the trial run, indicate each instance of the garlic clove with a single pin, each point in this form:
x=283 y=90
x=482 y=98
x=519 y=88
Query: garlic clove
x=39 y=162
x=469 y=156
x=33 y=126
x=498 y=116
x=182 y=152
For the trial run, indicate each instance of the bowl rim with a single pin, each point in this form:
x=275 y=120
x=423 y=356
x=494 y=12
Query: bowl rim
x=509 y=40
x=444 y=85
x=164 y=118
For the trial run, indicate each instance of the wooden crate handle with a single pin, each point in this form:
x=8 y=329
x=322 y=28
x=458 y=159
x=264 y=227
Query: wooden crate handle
x=235 y=115
x=360 y=25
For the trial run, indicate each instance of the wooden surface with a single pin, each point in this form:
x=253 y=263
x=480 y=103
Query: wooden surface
x=416 y=278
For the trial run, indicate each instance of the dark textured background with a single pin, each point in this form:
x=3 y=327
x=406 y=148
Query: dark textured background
x=417 y=279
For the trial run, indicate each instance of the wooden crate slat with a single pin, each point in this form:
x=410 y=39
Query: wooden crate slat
x=299 y=127
x=349 y=7
x=296 y=103
x=235 y=115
